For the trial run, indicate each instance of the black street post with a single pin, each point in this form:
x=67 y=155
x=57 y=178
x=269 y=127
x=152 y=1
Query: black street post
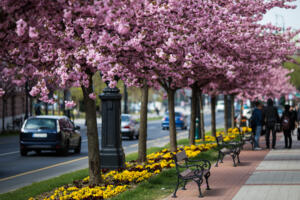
x=111 y=153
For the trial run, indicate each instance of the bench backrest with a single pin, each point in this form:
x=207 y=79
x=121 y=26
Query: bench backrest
x=219 y=139
x=180 y=156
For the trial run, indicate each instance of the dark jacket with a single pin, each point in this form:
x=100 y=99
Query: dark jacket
x=270 y=115
x=298 y=114
x=257 y=117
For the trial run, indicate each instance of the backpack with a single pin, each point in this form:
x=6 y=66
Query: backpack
x=286 y=122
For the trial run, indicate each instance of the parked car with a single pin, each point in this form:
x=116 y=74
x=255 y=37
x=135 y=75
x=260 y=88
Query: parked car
x=129 y=127
x=247 y=111
x=180 y=121
x=220 y=106
x=49 y=133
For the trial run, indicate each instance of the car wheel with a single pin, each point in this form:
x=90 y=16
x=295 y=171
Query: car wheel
x=78 y=148
x=131 y=136
x=163 y=128
x=23 y=152
x=137 y=136
x=64 y=151
x=38 y=151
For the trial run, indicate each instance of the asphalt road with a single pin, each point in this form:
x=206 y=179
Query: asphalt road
x=17 y=171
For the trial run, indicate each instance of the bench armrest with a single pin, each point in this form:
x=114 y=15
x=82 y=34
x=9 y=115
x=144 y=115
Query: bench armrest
x=205 y=164
x=195 y=165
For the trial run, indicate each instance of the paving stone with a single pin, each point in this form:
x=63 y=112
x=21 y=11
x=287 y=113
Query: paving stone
x=274 y=192
x=274 y=177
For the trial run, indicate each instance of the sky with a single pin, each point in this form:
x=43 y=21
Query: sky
x=285 y=17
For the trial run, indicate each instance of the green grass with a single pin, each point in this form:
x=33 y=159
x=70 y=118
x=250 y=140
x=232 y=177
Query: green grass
x=9 y=133
x=44 y=186
x=156 y=187
x=160 y=186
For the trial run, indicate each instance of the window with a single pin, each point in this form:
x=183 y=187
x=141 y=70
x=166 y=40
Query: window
x=38 y=123
x=125 y=118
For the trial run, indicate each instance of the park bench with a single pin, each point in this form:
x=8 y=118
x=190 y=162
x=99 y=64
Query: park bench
x=228 y=148
x=248 y=138
x=193 y=170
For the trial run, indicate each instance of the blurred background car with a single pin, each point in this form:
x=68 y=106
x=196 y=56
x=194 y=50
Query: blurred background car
x=129 y=127
x=180 y=121
x=247 y=111
x=49 y=132
x=220 y=106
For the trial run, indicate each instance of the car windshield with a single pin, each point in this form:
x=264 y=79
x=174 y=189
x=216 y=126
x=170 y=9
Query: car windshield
x=125 y=118
x=38 y=123
x=220 y=103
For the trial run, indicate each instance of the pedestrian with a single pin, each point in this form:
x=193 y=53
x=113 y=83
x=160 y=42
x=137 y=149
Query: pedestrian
x=298 y=113
x=270 y=118
x=256 y=123
x=293 y=118
x=286 y=123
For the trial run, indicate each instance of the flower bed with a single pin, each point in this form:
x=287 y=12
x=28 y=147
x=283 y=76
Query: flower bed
x=117 y=181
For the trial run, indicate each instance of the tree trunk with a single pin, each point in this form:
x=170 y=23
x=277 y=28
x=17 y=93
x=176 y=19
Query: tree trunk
x=26 y=100
x=225 y=114
x=125 y=100
x=172 y=127
x=3 y=113
x=213 y=115
x=241 y=111
x=46 y=108
x=92 y=135
x=232 y=111
x=13 y=105
x=31 y=105
x=193 y=115
x=142 y=150
x=201 y=120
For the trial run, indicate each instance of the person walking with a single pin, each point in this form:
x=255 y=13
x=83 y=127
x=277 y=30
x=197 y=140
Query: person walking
x=270 y=118
x=286 y=123
x=293 y=119
x=256 y=123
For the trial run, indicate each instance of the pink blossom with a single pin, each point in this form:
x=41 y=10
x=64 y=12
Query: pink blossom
x=92 y=96
x=34 y=91
x=172 y=58
x=123 y=28
x=112 y=84
x=159 y=52
x=70 y=104
x=33 y=33
x=21 y=26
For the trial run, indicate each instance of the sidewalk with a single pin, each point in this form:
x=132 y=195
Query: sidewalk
x=261 y=175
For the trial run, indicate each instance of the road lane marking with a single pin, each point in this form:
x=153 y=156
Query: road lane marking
x=9 y=153
x=41 y=169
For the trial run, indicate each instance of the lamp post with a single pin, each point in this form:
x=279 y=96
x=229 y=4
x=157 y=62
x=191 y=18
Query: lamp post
x=112 y=153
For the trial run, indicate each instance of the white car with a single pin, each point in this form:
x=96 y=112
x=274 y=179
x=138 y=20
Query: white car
x=220 y=106
x=247 y=111
x=129 y=127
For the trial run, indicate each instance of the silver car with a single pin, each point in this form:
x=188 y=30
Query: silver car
x=129 y=127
